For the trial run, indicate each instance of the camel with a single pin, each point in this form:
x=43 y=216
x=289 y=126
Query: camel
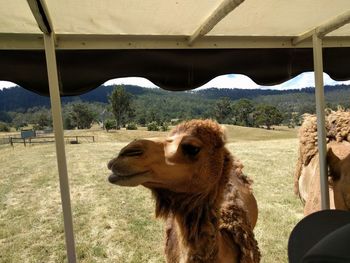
x=307 y=174
x=199 y=190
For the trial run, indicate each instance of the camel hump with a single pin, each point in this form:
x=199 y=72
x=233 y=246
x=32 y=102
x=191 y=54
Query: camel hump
x=337 y=130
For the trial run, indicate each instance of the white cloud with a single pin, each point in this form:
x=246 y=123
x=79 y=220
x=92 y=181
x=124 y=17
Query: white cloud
x=303 y=80
x=225 y=81
x=6 y=84
x=142 y=82
x=231 y=81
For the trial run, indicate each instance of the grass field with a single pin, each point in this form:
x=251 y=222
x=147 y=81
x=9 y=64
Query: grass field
x=114 y=224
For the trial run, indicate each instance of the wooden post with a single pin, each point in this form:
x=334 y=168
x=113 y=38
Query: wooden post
x=60 y=149
x=321 y=127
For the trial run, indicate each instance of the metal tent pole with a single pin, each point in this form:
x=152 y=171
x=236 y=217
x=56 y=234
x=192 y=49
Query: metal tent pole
x=320 y=111
x=317 y=35
x=59 y=140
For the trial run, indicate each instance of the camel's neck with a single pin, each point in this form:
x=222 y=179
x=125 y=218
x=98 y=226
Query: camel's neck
x=196 y=220
x=199 y=231
x=196 y=217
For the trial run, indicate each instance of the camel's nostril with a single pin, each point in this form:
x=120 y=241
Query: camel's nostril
x=130 y=152
x=110 y=164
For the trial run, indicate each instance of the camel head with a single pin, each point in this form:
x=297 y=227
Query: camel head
x=339 y=169
x=191 y=159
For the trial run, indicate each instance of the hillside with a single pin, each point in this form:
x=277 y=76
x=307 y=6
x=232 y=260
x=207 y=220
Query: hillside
x=19 y=99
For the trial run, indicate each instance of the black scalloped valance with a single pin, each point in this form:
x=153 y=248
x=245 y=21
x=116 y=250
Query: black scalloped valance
x=180 y=69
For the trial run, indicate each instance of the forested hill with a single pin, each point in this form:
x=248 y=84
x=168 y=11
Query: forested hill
x=19 y=99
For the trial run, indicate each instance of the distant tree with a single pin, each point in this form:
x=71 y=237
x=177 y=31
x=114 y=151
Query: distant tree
x=103 y=115
x=307 y=108
x=68 y=123
x=81 y=116
x=222 y=110
x=131 y=126
x=120 y=102
x=242 y=111
x=268 y=115
x=19 y=121
x=109 y=125
x=152 y=126
x=5 y=117
x=42 y=119
x=142 y=119
x=164 y=126
x=129 y=116
x=4 y=127
x=154 y=115
x=291 y=119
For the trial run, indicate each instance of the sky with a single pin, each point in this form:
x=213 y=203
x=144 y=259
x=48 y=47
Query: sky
x=226 y=81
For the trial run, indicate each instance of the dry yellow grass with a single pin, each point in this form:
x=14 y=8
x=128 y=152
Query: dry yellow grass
x=271 y=164
x=114 y=224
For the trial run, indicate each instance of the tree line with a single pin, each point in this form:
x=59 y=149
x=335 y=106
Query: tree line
x=242 y=112
x=156 y=109
x=156 y=112
x=19 y=99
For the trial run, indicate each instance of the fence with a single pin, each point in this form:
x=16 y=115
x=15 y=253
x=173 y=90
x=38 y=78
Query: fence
x=47 y=139
x=4 y=140
x=75 y=139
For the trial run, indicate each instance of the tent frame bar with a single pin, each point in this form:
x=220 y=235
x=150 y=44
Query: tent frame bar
x=317 y=35
x=333 y=24
x=226 y=7
x=322 y=30
x=60 y=146
x=41 y=15
x=13 y=41
x=321 y=127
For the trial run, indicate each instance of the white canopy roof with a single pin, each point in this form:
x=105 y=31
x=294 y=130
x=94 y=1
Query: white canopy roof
x=171 y=23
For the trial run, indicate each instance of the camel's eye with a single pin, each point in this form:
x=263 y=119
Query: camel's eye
x=190 y=150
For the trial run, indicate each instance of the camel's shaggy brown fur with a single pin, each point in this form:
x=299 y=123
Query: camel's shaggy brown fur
x=220 y=209
x=205 y=211
x=213 y=210
x=337 y=129
x=234 y=219
x=206 y=130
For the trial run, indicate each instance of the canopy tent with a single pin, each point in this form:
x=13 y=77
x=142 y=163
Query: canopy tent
x=69 y=47
x=177 y=45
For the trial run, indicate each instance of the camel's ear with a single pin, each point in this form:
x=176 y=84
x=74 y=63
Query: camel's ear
x=333 y=163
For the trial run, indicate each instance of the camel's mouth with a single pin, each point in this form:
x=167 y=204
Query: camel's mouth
x=133 y=179
x=153 y=185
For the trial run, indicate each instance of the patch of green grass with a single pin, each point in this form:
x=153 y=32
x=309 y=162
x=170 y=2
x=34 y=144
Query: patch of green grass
x=116 y=224
x=240 y=133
